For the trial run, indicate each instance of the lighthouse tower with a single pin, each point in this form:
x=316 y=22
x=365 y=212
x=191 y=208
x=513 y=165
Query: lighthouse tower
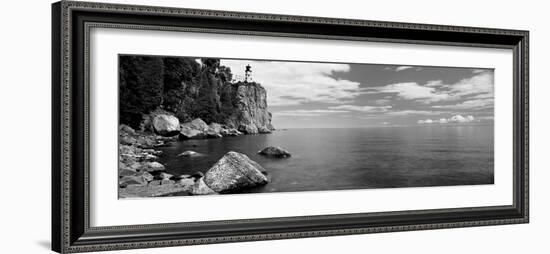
x=248 y=73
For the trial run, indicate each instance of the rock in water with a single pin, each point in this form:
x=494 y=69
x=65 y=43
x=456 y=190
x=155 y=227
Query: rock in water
x=166 y=125
x=263 y=130
x=215 y=128
x=198 y=124
x=212 y=134
x=189 y=154
x=274 y=151
x=188 y=133
x=233 y=172
x=248 y=129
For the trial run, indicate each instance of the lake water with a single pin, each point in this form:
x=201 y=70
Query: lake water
x=337 y=159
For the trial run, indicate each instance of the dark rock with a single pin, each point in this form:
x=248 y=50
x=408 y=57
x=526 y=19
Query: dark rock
x=234 y=172
x=274 y=151
x=197 y=175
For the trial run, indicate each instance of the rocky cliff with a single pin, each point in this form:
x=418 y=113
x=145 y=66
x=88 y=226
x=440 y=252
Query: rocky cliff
x=249 y=113
x=190 y=90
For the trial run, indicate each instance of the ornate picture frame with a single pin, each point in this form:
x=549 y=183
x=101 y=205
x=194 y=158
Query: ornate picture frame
x=71 y=229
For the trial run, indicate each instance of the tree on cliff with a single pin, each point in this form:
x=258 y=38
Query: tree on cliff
x=141 y=87
x=179 y=74
x=177 y=84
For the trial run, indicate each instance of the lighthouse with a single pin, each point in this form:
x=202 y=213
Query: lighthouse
x=248 y=73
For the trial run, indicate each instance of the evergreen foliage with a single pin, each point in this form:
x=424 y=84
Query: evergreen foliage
x=177 y=84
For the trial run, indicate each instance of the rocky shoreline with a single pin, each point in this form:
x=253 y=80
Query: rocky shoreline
x=141 y=175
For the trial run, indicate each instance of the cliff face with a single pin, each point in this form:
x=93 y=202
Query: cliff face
x=250 y=114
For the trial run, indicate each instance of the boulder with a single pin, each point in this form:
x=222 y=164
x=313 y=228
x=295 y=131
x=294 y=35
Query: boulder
x=213 y=134
x=188 y=183
x=233 y=132
x=152 y=167
x=152 y=151
x=154 y=182
x=197 y=124
x=188 y=133
x=234 y=172
x=165 y=176
x=147 y=142
x=264 y=130
x=248 y=129
x=127 y=129
x=166 y=125
x=147 y=157
x=215 y=127
x=274 y=151
x=127 y=140
x=135 y=166
x=125 y=181
x=167 y=182
x=200 y=188
x=126 y=172
x=189 y=154
x=147 y=176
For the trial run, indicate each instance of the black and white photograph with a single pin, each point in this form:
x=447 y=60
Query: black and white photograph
x=203 y=126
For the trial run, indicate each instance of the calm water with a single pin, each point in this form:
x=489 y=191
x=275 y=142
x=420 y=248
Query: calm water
x=335 y=159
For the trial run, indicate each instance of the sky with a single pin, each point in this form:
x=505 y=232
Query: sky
x=335 y=95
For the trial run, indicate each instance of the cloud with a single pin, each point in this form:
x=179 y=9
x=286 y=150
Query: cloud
x=382 y=102
x=362 y=108
x=306 y=112
x=412 y=112
x=474 y=92
x=295 y=83
x=427 y=121
x=453 y=119
x=469 y=104
x=412 y=91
